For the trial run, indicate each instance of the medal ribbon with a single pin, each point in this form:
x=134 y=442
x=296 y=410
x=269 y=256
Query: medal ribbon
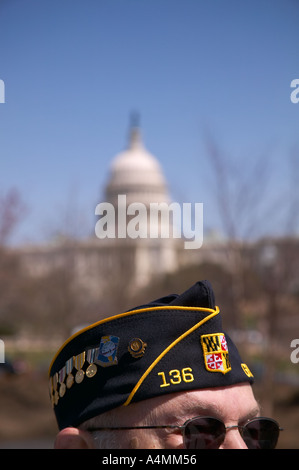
x=79 y=360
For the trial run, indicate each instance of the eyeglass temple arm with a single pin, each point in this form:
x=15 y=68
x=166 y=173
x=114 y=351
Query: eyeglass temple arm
x=169 y=426
x=126 y=428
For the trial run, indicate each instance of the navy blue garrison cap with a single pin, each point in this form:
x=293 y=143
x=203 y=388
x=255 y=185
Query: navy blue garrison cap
x=173 y=344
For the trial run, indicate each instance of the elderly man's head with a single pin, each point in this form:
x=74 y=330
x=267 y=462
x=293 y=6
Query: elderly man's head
x=234 y=406
x=137 y=380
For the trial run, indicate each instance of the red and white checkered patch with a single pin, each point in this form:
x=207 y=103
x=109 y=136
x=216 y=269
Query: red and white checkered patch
x=216 y=353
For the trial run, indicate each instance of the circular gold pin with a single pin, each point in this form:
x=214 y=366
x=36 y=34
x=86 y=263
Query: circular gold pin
x=137 y=347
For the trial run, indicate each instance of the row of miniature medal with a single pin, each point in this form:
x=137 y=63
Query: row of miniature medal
x=76 y=362
x=103 y=355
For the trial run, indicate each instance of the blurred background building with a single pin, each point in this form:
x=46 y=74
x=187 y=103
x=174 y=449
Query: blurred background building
x=130 y=263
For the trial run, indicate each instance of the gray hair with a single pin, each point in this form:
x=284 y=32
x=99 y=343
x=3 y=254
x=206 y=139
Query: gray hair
x=105 y=439
x=118 y=439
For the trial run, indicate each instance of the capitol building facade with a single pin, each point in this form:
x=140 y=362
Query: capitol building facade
x=78 y=281
x=126 y=262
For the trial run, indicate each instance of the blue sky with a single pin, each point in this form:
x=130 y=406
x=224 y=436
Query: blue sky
x=75 y=69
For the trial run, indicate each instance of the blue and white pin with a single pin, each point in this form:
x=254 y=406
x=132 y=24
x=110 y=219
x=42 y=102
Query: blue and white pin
x=106 y=354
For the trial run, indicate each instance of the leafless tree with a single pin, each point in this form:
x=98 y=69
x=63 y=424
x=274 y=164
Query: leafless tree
x=239 y=196
x=12 y=210
x=238 y=193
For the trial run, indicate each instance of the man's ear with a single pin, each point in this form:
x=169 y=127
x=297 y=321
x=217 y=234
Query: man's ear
x=73 y=438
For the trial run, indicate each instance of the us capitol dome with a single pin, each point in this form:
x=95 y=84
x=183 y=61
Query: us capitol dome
x=128 y=262
x=136 y=173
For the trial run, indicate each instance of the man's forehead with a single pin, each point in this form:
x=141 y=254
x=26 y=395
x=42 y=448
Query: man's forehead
x=218 y=402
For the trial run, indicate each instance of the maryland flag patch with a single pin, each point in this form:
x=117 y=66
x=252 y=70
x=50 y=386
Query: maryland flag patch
x=215 y=353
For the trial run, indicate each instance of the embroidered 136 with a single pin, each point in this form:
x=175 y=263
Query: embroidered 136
x=175 y=377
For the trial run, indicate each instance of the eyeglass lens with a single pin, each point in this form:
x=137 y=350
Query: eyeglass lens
x=261 y=433
x=209 y=433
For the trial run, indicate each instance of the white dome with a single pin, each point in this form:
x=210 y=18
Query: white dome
x=136 y=173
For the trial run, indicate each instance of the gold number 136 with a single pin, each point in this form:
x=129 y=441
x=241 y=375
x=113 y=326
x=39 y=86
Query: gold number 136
x=176 y=376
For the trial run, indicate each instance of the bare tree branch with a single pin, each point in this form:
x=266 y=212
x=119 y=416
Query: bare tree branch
x=12 y=210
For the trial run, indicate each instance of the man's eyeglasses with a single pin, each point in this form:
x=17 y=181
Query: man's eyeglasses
x=209 y=433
